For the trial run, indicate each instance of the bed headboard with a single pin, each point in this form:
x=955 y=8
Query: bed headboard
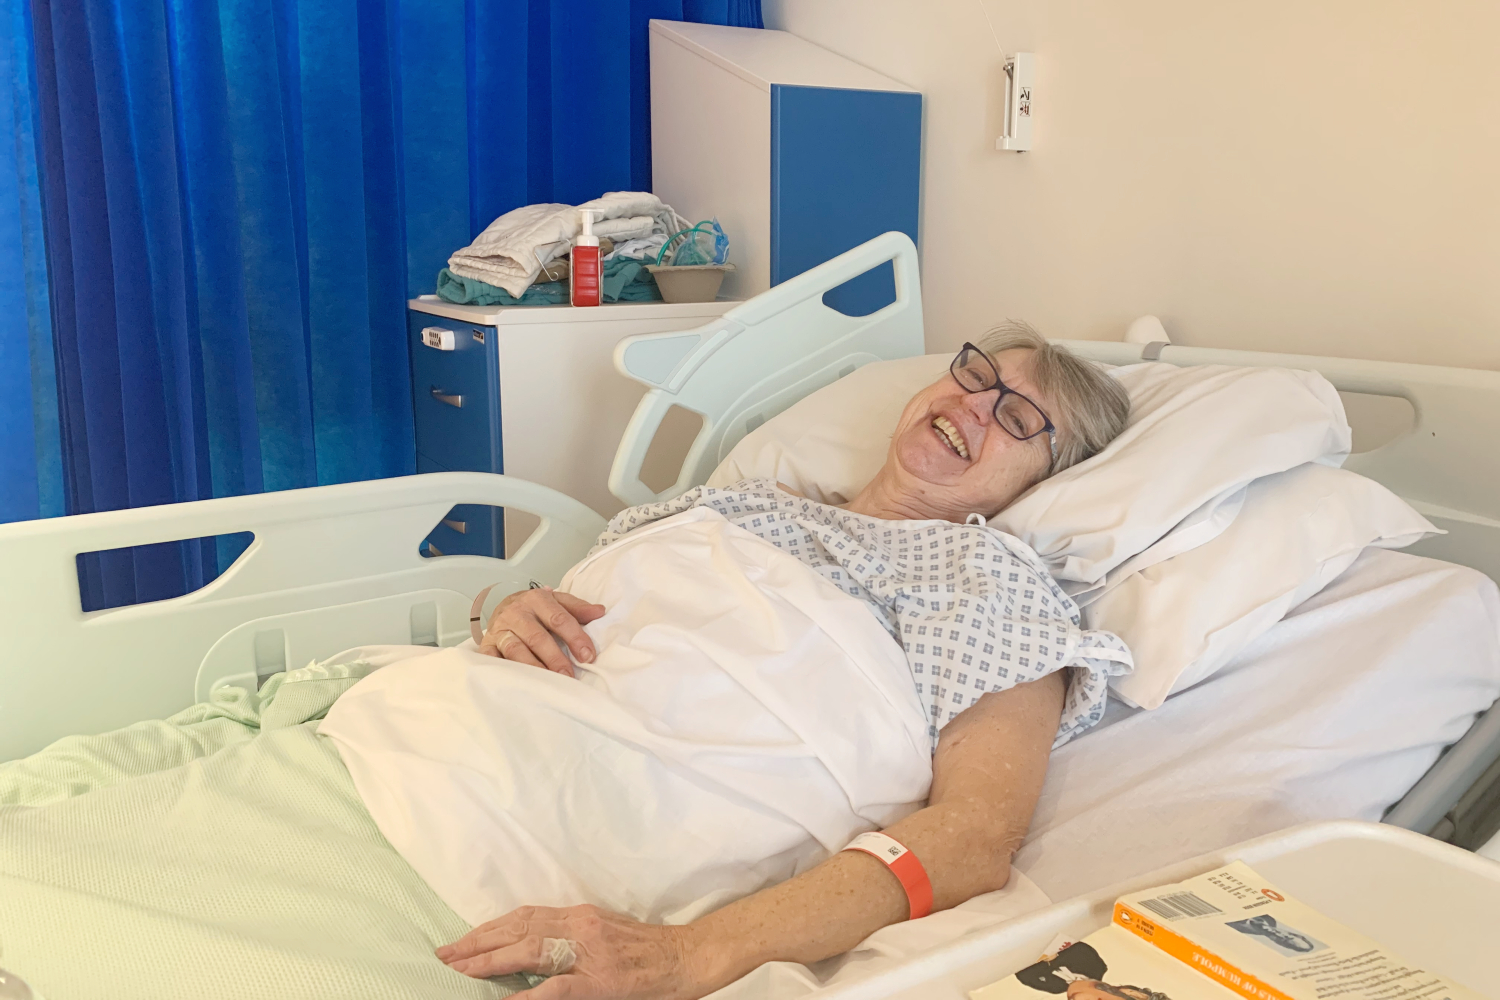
x=768 y=352
x=1445 y=465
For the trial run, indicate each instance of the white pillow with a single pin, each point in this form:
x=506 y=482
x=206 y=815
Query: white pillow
x=1196 y=435
x=829 y=444
x=1186 y=617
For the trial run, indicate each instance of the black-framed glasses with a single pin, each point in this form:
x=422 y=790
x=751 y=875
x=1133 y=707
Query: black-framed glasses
x=1017 y=415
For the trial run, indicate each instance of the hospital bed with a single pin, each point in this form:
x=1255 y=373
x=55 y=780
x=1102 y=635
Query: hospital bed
x=339 y=566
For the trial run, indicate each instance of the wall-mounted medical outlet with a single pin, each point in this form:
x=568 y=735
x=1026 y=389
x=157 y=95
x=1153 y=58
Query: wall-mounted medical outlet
x=1020 y=78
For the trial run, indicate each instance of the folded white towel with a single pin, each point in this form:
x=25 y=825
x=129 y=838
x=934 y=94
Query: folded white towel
x=512 y=249
x=645 y=248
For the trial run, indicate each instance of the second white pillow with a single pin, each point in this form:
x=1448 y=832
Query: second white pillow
x=1188 y=616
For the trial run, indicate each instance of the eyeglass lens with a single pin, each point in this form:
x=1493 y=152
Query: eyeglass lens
x=1016 y=414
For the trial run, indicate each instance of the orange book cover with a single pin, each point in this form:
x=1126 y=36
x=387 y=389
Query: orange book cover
x=1233 y=926
x=1200 y=959
x=1226 y=935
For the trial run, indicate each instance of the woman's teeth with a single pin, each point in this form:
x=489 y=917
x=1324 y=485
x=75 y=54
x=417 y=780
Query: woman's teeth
x=955 y=440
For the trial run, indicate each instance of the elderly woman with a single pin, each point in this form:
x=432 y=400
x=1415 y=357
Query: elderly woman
x=1005 y=417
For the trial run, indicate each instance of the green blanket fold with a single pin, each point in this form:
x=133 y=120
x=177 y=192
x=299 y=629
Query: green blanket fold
x=221 y=853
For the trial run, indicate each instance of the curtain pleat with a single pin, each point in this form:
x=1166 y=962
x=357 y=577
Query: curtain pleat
x=238 y=197
x=30 y=445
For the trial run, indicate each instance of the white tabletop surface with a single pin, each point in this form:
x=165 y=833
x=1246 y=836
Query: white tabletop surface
x=765 y=57
x=502 y=315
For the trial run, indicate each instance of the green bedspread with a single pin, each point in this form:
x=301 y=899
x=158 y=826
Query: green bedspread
x=221 y=853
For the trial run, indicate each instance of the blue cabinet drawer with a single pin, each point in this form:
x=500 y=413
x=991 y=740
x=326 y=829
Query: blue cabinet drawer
x=468 y=529
x=455 y=397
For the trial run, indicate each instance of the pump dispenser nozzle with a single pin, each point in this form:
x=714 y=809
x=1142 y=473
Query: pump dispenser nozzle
x=586 y=238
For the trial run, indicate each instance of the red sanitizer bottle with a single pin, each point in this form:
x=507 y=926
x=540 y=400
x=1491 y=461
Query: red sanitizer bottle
x=584 y=273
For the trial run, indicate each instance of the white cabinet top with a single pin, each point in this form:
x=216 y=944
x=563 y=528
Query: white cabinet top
x=763 y=57
x=612 y=312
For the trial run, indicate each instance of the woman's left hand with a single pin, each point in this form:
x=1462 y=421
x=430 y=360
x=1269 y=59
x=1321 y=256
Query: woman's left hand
x=615 y=957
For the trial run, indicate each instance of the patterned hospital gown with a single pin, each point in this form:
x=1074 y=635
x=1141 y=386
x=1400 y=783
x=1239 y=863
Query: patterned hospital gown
x=974 y=608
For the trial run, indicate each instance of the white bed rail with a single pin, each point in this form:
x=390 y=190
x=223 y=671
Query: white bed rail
x=759 y=358
x=329 y=568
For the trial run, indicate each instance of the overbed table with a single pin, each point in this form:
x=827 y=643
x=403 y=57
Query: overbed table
x=1429 y=902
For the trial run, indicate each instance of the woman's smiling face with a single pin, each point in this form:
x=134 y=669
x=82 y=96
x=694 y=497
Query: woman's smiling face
x=954 y=458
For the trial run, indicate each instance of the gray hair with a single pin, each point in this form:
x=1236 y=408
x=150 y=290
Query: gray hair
x=1094 y=406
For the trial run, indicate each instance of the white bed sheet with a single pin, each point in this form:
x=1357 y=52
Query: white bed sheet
x=1334 y=713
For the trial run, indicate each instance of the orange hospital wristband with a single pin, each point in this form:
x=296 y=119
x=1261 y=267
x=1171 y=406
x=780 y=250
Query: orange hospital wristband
x=903 y=864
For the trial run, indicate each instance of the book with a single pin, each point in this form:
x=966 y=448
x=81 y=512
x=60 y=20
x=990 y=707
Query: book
x=1226 y=935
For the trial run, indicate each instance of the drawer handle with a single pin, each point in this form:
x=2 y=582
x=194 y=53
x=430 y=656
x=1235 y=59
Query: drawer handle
x=462 y=527
x=443 y=397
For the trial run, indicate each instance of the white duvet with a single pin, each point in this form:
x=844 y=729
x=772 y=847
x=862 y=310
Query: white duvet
x=743 y=719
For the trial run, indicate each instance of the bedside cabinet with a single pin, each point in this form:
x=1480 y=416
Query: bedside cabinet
x=530 y=391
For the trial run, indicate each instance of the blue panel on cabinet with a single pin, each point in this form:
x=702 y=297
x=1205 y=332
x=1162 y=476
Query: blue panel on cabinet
x=845 y=167
x=456 y=396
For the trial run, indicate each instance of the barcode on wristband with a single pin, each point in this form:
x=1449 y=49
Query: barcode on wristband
x=883 y=847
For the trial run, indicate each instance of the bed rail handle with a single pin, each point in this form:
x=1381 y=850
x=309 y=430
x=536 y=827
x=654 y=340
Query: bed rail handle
x=316 y=549
x=625 y=474
x=895 y=247
x=759 y=357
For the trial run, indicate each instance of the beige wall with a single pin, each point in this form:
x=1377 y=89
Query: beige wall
x=1315 y=176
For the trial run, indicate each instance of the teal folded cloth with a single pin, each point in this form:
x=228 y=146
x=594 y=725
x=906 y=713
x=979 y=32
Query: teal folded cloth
x=625 y=280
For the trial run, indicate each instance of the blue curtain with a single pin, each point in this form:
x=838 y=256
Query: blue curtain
x=239 y=196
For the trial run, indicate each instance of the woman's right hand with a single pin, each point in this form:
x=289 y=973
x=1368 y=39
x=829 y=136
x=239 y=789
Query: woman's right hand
x=527 y=626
